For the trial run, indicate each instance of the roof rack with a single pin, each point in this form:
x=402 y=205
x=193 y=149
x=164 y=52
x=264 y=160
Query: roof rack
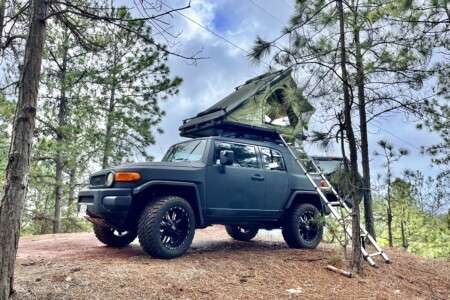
x=220 y=127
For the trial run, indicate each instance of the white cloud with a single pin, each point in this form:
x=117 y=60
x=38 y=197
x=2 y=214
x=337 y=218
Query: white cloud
x=201 y=12
x=212 y=79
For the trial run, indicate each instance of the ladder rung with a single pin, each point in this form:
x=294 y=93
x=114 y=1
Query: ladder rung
x=375 y=254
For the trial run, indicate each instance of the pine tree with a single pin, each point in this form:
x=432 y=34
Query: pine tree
x=132 y=79
x=20 y=150
x=64 y=85
x=23 y=127
x=356 y=234
x=391 y=155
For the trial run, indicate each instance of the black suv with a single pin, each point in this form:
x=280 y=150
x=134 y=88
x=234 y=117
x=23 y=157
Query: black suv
x=244 y=184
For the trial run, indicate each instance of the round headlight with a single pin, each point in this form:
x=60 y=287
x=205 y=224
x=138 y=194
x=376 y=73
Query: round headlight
x=109 y=179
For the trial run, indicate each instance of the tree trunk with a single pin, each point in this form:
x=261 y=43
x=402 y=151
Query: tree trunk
x=367 y=194
x=60 y=137
x=108 y=132
x=389 y=213
x=2 y=22
x=356 y=241
x=109 y=120
x=44 y=221
x=20 y=150
x=404 y=241
x=71 y=193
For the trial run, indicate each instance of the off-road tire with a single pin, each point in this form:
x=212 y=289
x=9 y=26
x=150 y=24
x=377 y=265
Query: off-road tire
x=151 y=222
x=107 y=236
x=241 y=233
x=291 y=228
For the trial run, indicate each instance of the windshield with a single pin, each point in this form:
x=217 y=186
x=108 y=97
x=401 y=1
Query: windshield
x=187 y=151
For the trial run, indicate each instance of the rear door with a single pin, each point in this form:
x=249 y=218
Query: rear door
x=277 y=182
x=238 y=190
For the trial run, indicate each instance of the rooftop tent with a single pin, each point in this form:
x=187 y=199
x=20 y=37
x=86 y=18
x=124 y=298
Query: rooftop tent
x=265 y=105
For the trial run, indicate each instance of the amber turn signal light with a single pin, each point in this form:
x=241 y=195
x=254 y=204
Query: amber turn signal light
x=323 y=184
x=127 y=176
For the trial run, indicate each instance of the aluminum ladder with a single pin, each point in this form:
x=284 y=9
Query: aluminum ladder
x=365 y=236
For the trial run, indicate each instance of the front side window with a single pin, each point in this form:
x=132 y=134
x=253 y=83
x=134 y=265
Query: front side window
x=244 y=155
x=272 y=159
x=187 y=151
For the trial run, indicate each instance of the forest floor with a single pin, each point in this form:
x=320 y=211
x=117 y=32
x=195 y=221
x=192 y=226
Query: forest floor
x=77 y=266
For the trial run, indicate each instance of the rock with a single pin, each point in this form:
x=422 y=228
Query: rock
x=294 y=291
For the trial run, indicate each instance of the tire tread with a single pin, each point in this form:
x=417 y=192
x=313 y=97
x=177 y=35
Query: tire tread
x=148 y=238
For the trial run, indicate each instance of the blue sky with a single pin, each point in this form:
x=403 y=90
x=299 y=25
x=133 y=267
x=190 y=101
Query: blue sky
x=226 y=67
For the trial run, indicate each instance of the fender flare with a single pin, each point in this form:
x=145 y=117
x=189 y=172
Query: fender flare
x=300 y=192
x=143 y=187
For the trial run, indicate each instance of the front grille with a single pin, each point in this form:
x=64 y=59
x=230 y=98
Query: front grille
x=98 y=180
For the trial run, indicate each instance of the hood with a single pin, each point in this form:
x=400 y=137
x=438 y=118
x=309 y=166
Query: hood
x=182 y=165
x=160 y=165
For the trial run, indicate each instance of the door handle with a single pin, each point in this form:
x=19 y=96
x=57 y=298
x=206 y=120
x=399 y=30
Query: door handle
x=258 y=177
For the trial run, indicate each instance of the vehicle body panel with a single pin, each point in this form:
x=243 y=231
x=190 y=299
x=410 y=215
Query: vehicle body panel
x=223 y=194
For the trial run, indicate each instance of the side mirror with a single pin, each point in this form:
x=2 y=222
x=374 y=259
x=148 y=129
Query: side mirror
x=226 y=157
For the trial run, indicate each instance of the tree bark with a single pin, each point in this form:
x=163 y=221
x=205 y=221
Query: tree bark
x=356 y=241
x=389 y=208
x=60 y=137
x=368 y=210
x=2 y=22
x=404 y=240
x=20 y=150
x=109 y=120
x=72 y=182
x=108 y=132
x=44 y=222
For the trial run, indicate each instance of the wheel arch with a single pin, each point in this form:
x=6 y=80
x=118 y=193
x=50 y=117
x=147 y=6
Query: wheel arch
x=310 y=197
x=149 y=191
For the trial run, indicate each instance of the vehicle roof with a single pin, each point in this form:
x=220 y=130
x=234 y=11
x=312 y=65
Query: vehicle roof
x=265 y=143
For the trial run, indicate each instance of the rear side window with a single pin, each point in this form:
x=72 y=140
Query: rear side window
x=272 y=159
x=244 y=155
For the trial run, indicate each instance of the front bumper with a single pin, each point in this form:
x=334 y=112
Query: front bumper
x=110 y=204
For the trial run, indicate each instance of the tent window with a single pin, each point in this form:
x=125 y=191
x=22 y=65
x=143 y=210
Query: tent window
x=278 y=111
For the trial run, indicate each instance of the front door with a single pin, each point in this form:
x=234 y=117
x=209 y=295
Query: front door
x=235 y=191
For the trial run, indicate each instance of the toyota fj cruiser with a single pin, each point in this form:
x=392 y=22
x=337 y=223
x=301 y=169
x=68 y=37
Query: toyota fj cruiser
x=244 y=184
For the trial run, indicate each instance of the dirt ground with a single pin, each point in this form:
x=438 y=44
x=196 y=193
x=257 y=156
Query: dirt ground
x=77 y=266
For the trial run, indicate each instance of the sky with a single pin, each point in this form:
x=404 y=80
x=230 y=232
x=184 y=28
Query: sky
x=227 y=66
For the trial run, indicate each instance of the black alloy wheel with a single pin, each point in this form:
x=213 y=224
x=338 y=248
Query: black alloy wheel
x=303 y=227
x=174 y=227
x=308 y=226
x=241 y=233
x=166 y=227
x=112 y=237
